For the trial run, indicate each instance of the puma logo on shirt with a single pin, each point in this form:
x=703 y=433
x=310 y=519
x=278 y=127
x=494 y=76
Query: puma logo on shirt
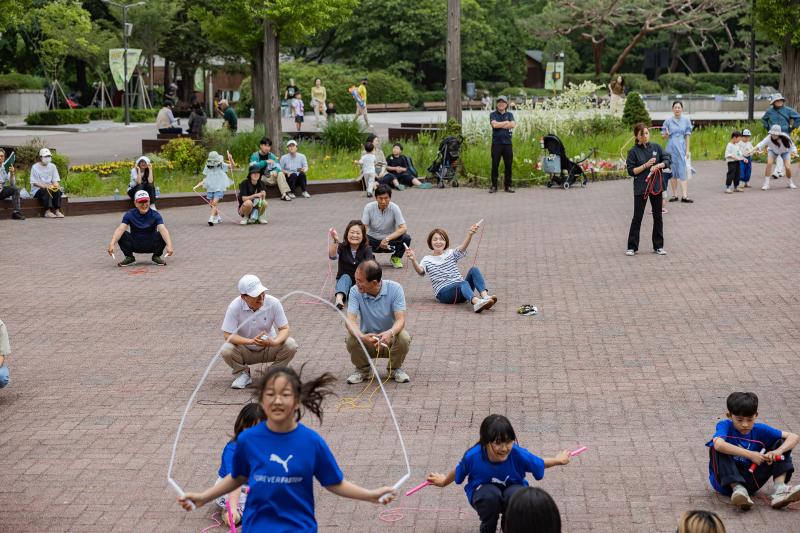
x=503 y=482
x=285 y=464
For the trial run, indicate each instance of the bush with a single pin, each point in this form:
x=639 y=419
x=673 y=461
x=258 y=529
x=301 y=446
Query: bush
x=635 y=111
x=185 y=154
x=431 y=96
x=246 y=94
x=15 y=81
x=343 y=134
x=138 y=115
x=677 y=82
x=28 y=153
x=633 y=81
x=108 y=113
x=702 y=87
x=599 y=125
x=56 y=117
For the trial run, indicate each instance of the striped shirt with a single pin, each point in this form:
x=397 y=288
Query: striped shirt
x=443 y=269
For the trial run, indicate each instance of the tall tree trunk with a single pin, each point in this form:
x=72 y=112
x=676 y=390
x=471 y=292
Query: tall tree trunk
x=257 y=84
x=624 y=54
x=454 y=60
x=167 y=77
x=597 y=53
x=675 y=52
x=80 y=81
x=699 y=54
x=272 y=100
x=151 y=66
x=790 y=73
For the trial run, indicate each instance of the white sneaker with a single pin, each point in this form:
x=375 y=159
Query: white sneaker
x=785 y=497
x=729 y=190
x=306 y=195
x=400 y=376
x=660 y=251
x=50 y=214
x=242 y=381
x=741 y=499
x=355 y=377
x=211 y=221
x=630 y=252
x=766 y=186
x=59 y=214
x=482 y=304
x=243 y=222
x=263 y=220
x=792 y=185
x=291 y=195
x=217 y=220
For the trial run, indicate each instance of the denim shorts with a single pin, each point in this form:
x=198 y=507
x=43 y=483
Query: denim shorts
x=784 y=155
x=214 y=195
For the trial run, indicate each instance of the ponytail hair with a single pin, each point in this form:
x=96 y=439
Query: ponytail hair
x=786 y=142
x=250 y=415
x=310 y=394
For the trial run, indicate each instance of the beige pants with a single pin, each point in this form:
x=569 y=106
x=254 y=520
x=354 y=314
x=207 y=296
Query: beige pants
x=396 y=354
x=240 y=357
x=279 y=180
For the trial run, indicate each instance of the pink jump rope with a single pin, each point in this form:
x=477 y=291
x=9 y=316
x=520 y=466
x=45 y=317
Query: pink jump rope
x=426 y=483
x=763 y=451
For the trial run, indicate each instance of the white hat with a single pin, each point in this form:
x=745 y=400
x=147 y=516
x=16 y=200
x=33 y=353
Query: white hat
x=141 y=196
x=251 y=286
x=291 y=142
x=776 y=130
x=44 y=152
x=746 y=133
x=214 y=159
x=775 y=98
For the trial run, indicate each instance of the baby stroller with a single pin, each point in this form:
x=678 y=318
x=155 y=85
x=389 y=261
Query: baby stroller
x=445 y=167
x=556 y=163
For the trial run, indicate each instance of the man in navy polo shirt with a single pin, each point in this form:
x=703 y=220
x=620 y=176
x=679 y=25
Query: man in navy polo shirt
x=502 y=123
x=147 y=234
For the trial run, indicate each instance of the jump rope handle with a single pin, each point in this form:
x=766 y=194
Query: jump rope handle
x=418 y=488
x=396 y=486
x=180 y=492
x=479 y=222
x=578 y=451
x=754 y=466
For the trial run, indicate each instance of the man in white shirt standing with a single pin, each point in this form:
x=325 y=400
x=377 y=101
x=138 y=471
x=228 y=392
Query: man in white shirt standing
x=256 y=331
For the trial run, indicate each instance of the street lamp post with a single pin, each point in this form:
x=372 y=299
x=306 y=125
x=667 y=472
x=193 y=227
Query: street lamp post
x=125 y=8
x=752 y=89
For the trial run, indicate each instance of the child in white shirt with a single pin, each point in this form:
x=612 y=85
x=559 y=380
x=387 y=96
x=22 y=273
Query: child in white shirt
x=733 y=156
x=367 y=163
x=215 y=182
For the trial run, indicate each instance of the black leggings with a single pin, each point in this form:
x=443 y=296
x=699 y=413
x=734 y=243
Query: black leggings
x=639 y=203
x=51 y=200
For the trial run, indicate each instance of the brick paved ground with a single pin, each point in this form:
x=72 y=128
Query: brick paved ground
x=630 y=356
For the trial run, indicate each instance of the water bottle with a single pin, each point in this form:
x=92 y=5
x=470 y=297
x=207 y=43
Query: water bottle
x=158 y=192
x=116 y=194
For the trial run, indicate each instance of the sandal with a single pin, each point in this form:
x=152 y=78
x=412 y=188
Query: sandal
x=673 y=199
x=527 y=310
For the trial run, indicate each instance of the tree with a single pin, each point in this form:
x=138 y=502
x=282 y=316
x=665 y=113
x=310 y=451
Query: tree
x=261 y=27
x=11 y=12
x=635 y=111
x=597 y=20
x=778 y=19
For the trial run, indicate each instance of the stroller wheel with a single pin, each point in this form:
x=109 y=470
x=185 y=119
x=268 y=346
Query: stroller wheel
x=454 y=183
x=550 y=184
x=566 y=185
x=584 y=183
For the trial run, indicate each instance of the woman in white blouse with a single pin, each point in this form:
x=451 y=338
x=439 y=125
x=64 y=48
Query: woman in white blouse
x=46 y=184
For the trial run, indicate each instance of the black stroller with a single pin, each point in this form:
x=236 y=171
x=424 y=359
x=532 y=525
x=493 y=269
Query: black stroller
x=445 y=167
x=556 y=163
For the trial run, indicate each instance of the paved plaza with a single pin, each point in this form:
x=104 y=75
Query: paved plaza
x=630 y=356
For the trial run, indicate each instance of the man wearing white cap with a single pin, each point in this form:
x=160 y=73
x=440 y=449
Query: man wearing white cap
x=46 y=184
x=147 y=234
x=295 y=166
x=256 y=331
x=781 y=115
x=779 y=146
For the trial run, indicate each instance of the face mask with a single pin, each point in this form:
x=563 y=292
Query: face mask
x=46 y=159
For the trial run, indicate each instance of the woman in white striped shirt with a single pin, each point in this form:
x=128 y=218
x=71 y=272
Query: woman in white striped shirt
x=449 y=286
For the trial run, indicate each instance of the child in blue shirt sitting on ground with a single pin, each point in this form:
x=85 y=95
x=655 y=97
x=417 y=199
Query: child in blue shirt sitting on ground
x=495 y=469
x=250 y=415
x=745 y=454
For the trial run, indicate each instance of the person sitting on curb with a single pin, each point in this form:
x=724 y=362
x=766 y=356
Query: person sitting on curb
x=400 y=172
x=5 y=351
x=143 y=179
x=166 y=121
x=449 y=286
x=386 y=227
x=270 y=168
x=250 y=332
x=147 y=234
x=381 y=306
x=46 y=184
x=252 y=198
x=295 y=166
x=8 y=187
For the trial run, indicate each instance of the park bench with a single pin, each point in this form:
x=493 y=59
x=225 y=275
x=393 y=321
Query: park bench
x=170 y=136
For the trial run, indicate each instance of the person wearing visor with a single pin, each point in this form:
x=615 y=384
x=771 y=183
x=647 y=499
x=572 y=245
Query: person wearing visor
x=147 y=234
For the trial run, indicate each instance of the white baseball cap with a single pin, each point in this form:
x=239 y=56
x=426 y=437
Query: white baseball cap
x=746 y=133
x=251 y=286
x=44 y=152
x=291 y=142
x=141 y=196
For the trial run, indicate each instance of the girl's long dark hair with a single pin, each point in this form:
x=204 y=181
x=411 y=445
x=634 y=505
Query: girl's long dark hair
x=360 y=224
x=309 y=393
x=529 y=506
x=250 y=415
x=784 y=141
x=495 y=428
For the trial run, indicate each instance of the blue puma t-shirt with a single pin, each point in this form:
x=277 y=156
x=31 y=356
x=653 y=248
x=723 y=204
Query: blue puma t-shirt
x=760 y=437
x=280 y=469
x=477 y=469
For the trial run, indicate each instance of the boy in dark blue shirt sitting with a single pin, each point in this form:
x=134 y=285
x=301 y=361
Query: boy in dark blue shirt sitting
x=745 y=454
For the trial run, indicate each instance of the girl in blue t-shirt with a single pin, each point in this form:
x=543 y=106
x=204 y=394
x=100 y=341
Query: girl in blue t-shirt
x=250 y=415
x=280 y=458
x=495 y=469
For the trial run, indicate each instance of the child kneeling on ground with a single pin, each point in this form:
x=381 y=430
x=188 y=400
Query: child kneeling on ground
x=745 y=454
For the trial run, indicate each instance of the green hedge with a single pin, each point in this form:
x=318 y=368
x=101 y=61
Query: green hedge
x=138 y=115
x=108 y=113
x=56 y=117
x=431 y=96
x=15 y=81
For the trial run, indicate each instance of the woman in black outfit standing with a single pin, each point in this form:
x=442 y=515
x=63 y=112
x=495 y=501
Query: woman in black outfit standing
x=643 y=159
x=350 y=254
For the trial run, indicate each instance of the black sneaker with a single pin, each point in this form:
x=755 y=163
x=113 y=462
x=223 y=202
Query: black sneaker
x=687 y=200
x=157 y=259
x=128 y=261
x=673 y=199
x=16 y=215
x=510 y=189
x=492 y=189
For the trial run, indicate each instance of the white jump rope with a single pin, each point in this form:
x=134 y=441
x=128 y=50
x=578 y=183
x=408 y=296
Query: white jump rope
x=214 y=359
